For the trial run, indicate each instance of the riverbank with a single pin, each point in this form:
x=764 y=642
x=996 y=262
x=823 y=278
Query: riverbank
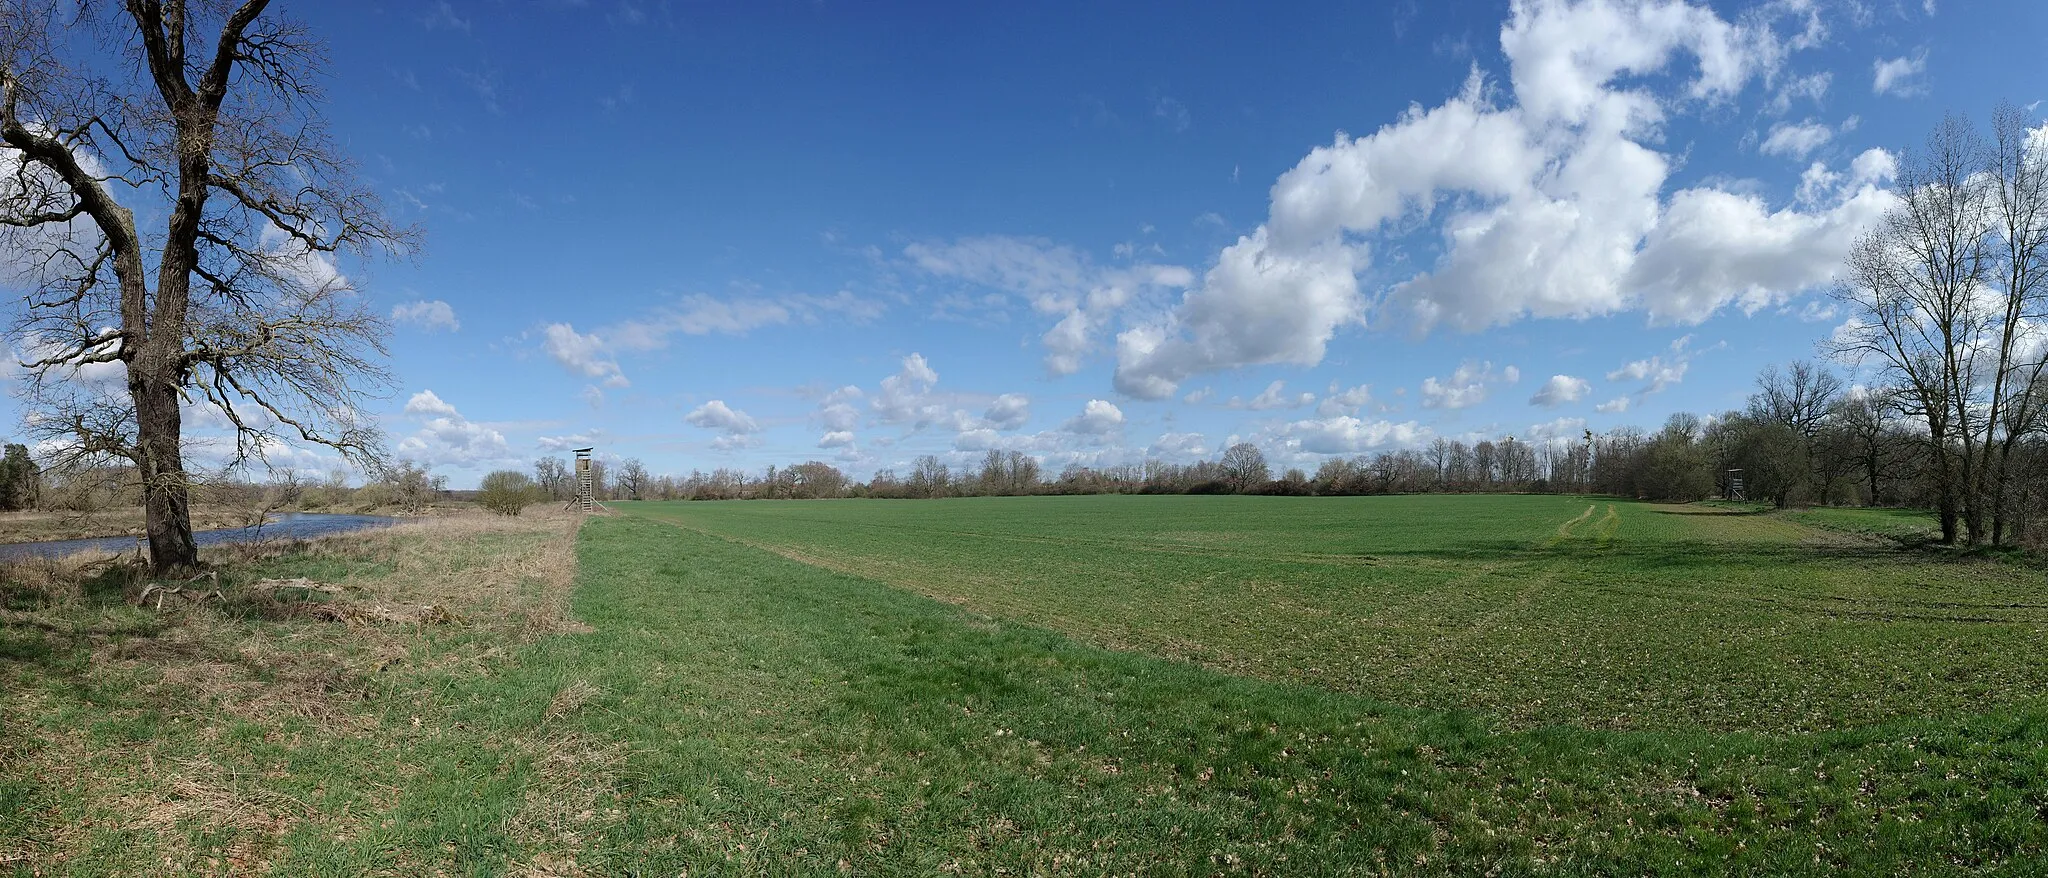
x=276 y=527
x=269 y=707
x=44 y=525
x=41 y=526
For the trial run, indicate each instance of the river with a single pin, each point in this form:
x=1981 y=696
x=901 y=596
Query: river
x=280 y=526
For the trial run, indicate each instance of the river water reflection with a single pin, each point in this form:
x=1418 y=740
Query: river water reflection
x=281 y=526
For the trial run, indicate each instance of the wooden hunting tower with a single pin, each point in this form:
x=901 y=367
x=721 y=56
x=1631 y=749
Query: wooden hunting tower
x=585 y=497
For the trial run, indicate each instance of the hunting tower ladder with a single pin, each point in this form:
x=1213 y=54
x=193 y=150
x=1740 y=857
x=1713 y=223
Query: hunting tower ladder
x=585 y=497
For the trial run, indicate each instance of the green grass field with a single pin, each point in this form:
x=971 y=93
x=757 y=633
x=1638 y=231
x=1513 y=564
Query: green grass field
x=1096 y=685
x=1530 y=610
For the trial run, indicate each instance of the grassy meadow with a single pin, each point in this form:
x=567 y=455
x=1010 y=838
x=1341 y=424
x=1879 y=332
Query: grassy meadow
x=1531 y=610
x=1092 y=685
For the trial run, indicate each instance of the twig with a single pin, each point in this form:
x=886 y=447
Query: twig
x=275 y=585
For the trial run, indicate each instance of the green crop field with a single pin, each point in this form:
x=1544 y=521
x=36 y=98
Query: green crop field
x=1528 y=610
x=1092 y=685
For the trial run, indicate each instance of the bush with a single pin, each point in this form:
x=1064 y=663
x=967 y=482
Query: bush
x=321 y=497
x=507 y=492
x=375 y=495
x=413 y=489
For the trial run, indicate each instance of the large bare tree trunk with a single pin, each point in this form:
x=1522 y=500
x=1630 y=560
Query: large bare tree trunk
x=248 y=312
x=166 y=498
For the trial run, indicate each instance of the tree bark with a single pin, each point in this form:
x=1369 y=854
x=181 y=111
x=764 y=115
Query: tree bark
x=166 y=494
x=1945 y=500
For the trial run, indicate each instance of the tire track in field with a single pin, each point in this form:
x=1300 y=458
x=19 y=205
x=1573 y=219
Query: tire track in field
x=1564 y=531
x=1838 y=606
x=1609 y=525
x=792 y=554
x=1487 y=622
x=900 y=575
x=1538 y=577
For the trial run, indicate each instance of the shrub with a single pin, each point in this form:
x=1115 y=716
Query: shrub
x=412 y=487
x=507 y=492
x=374 y=495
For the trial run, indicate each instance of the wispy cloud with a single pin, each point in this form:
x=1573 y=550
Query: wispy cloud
x=429 y=315
x=1899 y=76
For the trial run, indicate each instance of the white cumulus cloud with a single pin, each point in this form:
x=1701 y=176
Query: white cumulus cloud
x=1350 y=435
x=1466 y=387
x=1179 y=446
x=1796 y=140
x=1055 y=280
x=716 y=415
x=428 y=315
x=907 y=398
x=583 y=354
x=1008 y=412
x=836 y=412
x=1273 y=397
x=1098 y=417
x=1344 y=401
x=1660 y=371
x=426 y=404
x=699 y=314
x=1257 y=305
x=1560 y=389
x=1548 y=198
x=445 y=438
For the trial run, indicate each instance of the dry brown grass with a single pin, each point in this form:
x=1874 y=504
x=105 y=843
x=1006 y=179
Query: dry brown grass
x=298 y=664
x=472 y=568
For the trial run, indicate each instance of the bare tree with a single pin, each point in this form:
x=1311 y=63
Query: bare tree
x=1458 y=466
x=1244 y=466
x=1911 y=284
x=1485 y=463
x=2017 y=175
x=552 y=476
x=632 y=478
x=412 y=487
x=929 y=477
x=816 y=478
x=1439 y=456
x=1020 y=470
x=243 y=311
x=1947 y=293
x=1798 y=398
x=993 y=482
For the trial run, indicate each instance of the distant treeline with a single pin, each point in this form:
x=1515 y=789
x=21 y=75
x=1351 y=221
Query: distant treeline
x=1803 y=439
x=402 y=486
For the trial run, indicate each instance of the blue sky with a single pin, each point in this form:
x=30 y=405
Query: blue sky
x=761 y=233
